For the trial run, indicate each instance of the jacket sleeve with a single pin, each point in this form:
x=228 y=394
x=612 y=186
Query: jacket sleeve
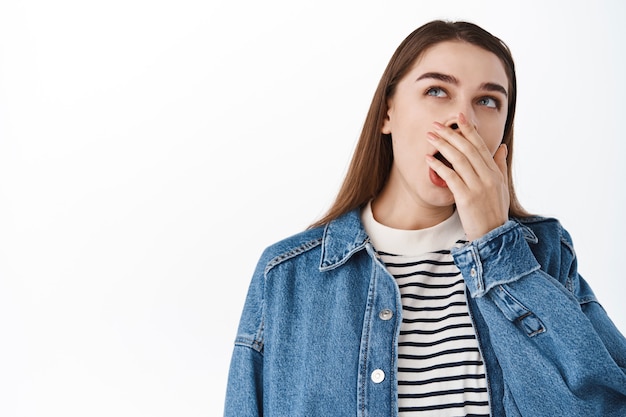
x=554 y=343
x=244 y=391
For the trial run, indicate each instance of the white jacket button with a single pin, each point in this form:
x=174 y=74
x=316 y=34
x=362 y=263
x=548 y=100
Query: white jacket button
x=378 y=376
x=385 y=314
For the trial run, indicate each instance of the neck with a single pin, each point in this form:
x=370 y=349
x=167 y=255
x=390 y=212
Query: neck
x=402 y=212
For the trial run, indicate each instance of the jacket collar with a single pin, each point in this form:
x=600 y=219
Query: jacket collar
x=345 y=236
x=342 y=238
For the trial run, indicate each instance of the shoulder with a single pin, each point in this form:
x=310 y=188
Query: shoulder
x=538 y=222
x=328 y=246
x=291 y=247
x=552 y=246
x=547 y=230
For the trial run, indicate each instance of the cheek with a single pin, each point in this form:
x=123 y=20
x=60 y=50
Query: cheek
x=493 y=135
x=493 y=146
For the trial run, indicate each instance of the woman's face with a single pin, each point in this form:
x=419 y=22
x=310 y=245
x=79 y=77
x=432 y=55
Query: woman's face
x=449 y=78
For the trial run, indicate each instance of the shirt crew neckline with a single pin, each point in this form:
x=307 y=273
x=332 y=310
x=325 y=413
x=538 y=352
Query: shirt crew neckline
x=412 y=242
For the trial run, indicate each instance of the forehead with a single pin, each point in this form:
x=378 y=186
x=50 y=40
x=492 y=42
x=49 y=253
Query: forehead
x=462 y=60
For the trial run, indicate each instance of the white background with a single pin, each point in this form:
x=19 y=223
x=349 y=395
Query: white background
x=149 y=151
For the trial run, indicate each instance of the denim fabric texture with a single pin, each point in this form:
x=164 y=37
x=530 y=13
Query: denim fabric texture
x=316 y=337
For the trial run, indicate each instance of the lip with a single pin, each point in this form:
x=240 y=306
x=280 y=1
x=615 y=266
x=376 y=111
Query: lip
x=433 y=176
x=436 y=179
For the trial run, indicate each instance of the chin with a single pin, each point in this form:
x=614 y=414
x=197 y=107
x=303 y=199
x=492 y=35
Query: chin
x=442 y=198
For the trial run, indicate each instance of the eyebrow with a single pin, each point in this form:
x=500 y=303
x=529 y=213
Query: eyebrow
x=452 y=80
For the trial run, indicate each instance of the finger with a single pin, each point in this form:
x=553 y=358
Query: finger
x=469 y=143
x=452 y=179
x=461 y=154
x=500 y=160
x=468 y=130
x=458 y=158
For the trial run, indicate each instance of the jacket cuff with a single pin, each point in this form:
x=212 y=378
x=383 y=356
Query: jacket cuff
x=499 y=257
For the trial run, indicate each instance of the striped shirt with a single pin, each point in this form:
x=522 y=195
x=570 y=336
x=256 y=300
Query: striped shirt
x=440 y=368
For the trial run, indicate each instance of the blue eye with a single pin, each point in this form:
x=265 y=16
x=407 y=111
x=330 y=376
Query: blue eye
x=489 y=102
x=436 y=92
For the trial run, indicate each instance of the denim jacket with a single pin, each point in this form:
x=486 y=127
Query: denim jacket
x=316 y=337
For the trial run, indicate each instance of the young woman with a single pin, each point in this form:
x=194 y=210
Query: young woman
x=427 y=290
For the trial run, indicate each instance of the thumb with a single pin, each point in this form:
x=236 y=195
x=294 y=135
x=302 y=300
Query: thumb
x=500 y=159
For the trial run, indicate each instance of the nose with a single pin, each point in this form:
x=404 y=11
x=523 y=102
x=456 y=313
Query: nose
x=468 y=112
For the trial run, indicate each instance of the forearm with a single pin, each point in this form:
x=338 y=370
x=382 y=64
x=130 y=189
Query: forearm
x=543 y=339
x=244 y=393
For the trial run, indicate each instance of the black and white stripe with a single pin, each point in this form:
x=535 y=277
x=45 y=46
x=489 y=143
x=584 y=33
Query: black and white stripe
x=440 y=369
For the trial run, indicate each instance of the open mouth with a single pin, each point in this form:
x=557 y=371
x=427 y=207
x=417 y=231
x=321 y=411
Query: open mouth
x=440 y=157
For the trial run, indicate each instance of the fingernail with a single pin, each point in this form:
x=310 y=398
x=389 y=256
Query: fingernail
x=462 y=119
x=438 y=125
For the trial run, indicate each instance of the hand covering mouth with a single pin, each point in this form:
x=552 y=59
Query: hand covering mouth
x=440 y=157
